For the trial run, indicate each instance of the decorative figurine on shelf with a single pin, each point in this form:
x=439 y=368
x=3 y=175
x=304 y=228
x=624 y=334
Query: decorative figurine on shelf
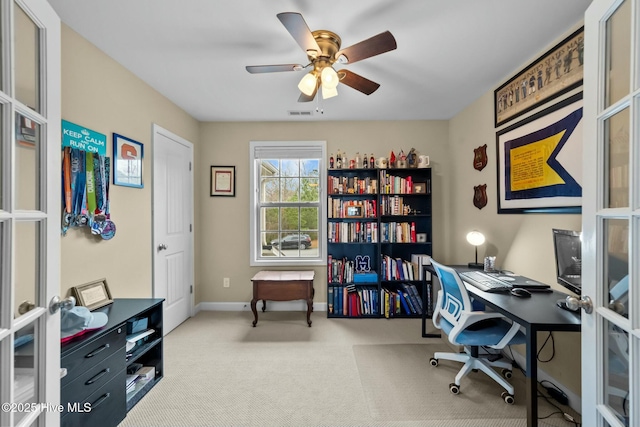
x=412 y=158
x=339 y=160
x=331 y=161
x=480 y=157
x=392 y=160
x=345 y=161
x=358 y=164
x=363 y=263
x=372 y=161
x=480 y=196
x=365 y=163
x=401 y=163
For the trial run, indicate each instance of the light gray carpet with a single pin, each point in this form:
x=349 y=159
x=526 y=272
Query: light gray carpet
x=220 y=371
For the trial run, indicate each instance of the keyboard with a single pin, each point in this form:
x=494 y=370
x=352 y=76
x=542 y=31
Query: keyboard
x=484 y=282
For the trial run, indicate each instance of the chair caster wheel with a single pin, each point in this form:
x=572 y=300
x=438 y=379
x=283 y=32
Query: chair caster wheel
x=507 y=373
x=433 y=361
x=508 y=398
x=454 y=388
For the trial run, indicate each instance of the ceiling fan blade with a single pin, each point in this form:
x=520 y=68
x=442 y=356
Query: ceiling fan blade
x=256 y=69
x=308 y=98
x=357 y=82
x=383 y=42
x=297 y=27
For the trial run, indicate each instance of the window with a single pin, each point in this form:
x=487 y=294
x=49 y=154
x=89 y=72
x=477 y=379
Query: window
x=288 y=214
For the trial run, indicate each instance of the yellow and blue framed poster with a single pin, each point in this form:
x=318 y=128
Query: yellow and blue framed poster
x=540 y=161
x=127 y=161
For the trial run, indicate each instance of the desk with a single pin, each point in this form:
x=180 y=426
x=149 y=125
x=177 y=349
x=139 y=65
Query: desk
x=282 y=286
x=538 y=313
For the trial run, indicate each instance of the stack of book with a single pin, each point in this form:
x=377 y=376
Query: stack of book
x=352 y=301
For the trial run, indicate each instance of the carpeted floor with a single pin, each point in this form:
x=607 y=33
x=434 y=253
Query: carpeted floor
x=220 y=371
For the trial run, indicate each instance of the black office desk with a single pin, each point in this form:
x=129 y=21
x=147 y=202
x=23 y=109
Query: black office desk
x=538 y=313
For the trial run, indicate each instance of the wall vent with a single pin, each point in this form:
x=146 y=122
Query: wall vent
x=300 y=113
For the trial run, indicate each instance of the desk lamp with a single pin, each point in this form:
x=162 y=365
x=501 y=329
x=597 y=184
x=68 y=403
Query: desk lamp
x=475 y=238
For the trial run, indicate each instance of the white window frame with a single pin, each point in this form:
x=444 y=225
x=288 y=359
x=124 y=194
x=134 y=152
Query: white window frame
x=287 y=149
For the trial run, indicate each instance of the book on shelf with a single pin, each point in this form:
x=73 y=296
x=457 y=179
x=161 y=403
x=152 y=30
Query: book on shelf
x=421 y=260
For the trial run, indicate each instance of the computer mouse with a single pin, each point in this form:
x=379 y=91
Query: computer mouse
x=521 y=292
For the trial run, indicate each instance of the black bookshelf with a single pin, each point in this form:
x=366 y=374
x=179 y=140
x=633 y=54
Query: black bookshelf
x=381 y=217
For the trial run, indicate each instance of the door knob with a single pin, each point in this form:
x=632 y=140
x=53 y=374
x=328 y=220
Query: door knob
x=57 y=303
x=575 y=304
x=162 y=247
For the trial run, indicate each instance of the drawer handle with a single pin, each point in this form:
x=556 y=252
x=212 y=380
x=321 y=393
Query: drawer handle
x=93 y=353
x=98 y=402
x=98 y=376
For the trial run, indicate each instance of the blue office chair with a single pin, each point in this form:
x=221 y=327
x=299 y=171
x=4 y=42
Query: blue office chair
x=456 y=317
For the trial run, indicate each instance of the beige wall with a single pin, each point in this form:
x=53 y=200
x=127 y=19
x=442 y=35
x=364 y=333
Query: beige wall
x=101 y=95
x=227 y=219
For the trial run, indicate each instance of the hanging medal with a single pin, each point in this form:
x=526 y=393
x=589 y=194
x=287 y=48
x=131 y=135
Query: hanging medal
x=66 y=221
x=109 y=229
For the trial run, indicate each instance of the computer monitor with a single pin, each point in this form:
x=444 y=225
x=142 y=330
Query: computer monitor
x=568 y=250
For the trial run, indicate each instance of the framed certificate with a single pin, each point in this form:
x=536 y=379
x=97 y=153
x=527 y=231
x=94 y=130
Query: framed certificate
x=223 y=181
x=92 y=295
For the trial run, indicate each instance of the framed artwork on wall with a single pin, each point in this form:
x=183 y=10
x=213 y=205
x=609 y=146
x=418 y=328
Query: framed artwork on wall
x=223 y=181
x=127 y=162
x=557 y=71
x=540 y=161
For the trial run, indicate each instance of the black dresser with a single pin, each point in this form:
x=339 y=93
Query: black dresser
x=95 y=389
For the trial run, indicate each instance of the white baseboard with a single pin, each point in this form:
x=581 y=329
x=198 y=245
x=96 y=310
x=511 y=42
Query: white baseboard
x=575 y=402
x=271 y=306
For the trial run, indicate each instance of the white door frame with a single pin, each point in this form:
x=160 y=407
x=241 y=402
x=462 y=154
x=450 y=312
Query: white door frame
x=46 y=344
x=595 y=212
x=158 y=130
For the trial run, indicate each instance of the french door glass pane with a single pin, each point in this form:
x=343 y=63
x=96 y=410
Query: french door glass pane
x=28 y=163
x=616 y=138
x=618 y=48
x=617 y=265
x=2 y=151
x=27 y=265
x=27 y=60
x=617 y=371
x=25 y=387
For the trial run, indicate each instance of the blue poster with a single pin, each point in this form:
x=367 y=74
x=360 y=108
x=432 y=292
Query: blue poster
x=75 y=136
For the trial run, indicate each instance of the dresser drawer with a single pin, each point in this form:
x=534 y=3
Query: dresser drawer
x=108 y=406
x=92 y=354
x=92 y=379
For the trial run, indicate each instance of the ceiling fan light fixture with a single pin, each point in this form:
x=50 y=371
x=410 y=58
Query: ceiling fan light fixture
x=329 y=78
x=308 y=84
x=329 y=92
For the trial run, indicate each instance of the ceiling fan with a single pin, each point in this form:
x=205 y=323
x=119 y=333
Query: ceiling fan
x=323 y=50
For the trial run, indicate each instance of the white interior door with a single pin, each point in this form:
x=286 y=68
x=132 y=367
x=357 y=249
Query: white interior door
x=173 y=225
x=611 y=215
x=29 y=212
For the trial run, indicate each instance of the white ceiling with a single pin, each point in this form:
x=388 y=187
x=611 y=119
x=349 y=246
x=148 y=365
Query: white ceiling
x=194 y=52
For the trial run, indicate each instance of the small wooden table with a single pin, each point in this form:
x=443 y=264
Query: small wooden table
x=282 y=286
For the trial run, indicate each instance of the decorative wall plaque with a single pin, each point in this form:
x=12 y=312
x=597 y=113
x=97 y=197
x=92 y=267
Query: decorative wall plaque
x=480 y=196
x=480 y=157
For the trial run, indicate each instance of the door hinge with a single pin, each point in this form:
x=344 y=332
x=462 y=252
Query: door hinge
x=191 y=289
x=191 y=227
x=189 y=165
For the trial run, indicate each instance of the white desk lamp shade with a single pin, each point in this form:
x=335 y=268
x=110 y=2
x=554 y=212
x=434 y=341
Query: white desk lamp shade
x=475 y=238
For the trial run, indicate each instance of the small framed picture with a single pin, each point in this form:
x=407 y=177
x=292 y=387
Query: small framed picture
x=421 y=237
x=354 y=212
x=420 y=187
x=127 y=162
x=223 y=181
x=92 y=295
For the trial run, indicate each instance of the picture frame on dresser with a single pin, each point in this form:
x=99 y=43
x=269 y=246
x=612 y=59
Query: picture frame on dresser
x=92 y=295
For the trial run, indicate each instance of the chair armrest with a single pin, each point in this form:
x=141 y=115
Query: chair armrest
x=435 y=318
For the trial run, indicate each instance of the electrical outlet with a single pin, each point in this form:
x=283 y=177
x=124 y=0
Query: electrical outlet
x=226 y=282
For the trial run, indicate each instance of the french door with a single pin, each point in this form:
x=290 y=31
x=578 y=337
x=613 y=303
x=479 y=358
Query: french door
x=29 y=212
x=611 y=215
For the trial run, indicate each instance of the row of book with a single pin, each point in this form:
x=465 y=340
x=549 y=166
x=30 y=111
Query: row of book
x=343 y=270
x=401 y=269
x=351 y=185
x=392 y=184
x=401 y=299
x=394 y=205
x=398 y=232
x=353 y=301
x=341 y=208
x=352 y=232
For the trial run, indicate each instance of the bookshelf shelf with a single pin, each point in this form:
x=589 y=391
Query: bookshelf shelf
x=392 y=230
